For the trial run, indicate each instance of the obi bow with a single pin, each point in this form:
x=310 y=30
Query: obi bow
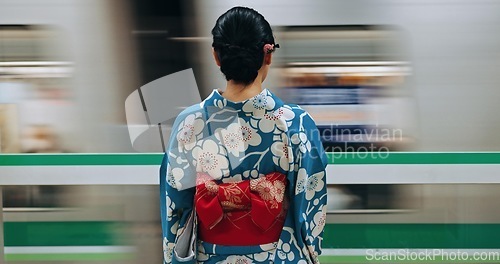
x=261 y=199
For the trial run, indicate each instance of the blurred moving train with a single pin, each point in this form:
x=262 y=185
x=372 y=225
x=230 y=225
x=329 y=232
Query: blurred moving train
x=386 y=75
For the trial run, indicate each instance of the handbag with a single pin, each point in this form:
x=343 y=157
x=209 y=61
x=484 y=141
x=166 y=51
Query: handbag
x=185 y=244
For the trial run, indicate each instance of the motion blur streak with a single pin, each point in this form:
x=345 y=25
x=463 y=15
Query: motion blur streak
x=377 y=75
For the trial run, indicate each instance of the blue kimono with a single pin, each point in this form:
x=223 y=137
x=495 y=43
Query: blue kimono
x=236 y=141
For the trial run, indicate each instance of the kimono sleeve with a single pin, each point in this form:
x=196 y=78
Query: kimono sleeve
x=310 y=187
x=176 y=195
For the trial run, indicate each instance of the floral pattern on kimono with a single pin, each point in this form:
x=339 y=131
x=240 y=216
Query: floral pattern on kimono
x=235 y=141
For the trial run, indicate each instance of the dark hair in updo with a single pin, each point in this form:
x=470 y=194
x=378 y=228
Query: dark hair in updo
x=239 y=38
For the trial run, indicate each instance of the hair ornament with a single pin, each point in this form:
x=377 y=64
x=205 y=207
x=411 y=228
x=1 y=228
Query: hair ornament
x=269 y=48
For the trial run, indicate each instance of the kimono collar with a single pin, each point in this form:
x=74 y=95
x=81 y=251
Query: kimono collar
x=255 y=105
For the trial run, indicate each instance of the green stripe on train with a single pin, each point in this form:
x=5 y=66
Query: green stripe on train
x=333 y=158
x=79 y=159
x=414 y=158
x=412 y=236
x=350 y=236
x=61 y=233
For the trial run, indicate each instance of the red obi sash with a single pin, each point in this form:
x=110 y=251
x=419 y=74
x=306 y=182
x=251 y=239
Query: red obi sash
x=249 y=212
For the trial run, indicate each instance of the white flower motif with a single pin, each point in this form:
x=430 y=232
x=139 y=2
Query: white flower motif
x=238 y=136
x=319 y=221
x=301 y=140
x=231 y=138
x=233 y=141
x=168 y=249
x=210 y=158
x=300 y=186
x=285 y=252
x=258 y=104
x=170 y=208
x=314 y=184
x=189 y=130
x=276 y=119
x=174 y=177
x=249 y=135
x=281 y=154
x=309 y=184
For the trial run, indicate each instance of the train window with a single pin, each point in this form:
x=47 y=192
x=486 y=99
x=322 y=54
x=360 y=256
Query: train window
x=352 y=81
x=36 y=108
x=35 y=96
